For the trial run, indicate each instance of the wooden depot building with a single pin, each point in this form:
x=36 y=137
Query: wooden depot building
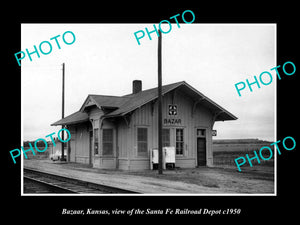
x=120 y=132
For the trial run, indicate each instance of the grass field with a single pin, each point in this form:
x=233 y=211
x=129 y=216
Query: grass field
x=226 y=151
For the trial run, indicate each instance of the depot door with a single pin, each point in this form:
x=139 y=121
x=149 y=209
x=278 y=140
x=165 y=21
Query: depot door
x=201 y=151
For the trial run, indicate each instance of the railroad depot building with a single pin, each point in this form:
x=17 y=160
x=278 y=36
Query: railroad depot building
x=120 y=132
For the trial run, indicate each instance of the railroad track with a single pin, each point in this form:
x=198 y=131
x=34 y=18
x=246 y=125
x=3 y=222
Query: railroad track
x=52 y=183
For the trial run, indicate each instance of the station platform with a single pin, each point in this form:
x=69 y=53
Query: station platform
x=119 y=179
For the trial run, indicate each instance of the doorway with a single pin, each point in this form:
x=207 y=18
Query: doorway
x=201 y=151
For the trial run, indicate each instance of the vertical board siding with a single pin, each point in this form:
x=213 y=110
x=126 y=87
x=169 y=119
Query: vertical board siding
x=72 y=130
x=202 y=117
x=82 y=143
x=146 y=116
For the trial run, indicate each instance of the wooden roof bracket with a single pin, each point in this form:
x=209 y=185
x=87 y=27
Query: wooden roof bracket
x=195 y=105
x=127 y=119
x=216 y=114
x=101 y=122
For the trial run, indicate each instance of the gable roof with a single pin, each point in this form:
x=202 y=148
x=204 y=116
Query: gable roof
x=139 y=99
x=121 y=105
x=103 y=101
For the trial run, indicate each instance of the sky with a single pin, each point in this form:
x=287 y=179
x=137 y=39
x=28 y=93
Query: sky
x=106 y=58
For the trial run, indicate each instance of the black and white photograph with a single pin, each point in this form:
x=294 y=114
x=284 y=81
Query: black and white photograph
x=133 y=112
x=101 y=85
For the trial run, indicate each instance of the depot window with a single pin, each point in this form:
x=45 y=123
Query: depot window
x=142 y=141
x=179 y=141
x=107 y=141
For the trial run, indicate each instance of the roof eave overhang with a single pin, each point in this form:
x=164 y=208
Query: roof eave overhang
x=215 y=106
x=69 y=123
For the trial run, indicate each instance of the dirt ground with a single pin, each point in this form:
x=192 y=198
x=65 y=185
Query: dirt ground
x=254 y=180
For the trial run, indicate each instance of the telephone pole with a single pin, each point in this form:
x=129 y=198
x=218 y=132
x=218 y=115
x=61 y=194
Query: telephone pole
x=63 y=112
x=160 y=150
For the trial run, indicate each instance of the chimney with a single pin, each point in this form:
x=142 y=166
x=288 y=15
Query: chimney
x=136 y=86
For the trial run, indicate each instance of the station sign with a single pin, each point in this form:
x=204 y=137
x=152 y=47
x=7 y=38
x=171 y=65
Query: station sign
x=214 y=132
